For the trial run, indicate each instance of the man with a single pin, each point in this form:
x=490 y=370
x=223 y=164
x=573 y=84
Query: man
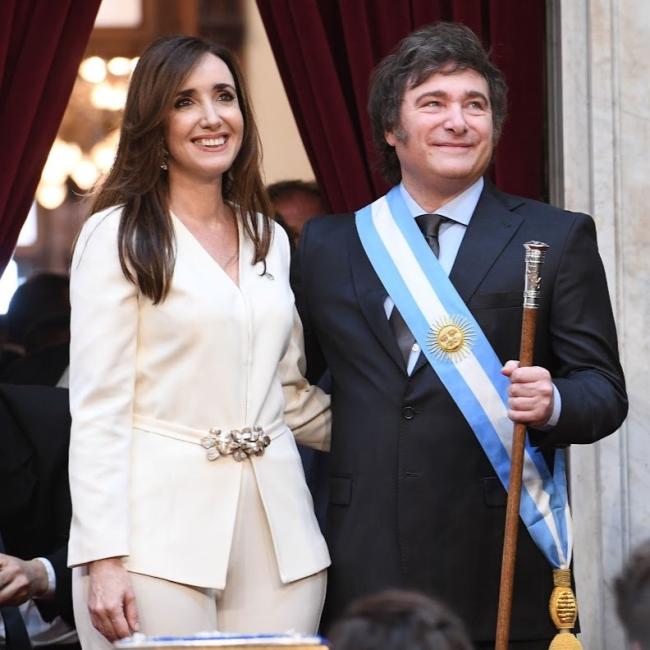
x=415 y=502
x=35 y=516
x=633 y=597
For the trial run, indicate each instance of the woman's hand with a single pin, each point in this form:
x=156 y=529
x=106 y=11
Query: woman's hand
x=111 y=601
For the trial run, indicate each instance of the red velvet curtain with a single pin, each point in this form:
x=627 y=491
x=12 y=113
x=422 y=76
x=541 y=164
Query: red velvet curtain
x=41 y=45
x=325 y=50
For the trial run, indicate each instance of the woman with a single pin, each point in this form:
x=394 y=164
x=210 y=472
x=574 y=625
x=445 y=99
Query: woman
x=190 y=507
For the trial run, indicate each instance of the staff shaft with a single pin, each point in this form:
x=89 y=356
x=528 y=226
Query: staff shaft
x=528 y=327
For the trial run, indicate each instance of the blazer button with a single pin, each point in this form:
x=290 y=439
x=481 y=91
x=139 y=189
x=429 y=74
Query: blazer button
x=408 y=412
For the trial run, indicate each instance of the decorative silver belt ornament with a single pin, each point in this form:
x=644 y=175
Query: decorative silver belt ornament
x=250 y=441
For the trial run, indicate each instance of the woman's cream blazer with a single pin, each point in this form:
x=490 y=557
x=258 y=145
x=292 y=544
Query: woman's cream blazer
x=147 y=382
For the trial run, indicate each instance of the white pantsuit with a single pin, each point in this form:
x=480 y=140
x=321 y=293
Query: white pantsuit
x=148 y=382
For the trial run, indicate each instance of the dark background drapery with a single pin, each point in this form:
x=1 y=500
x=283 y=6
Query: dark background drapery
x=325 y=50
x=41 y=45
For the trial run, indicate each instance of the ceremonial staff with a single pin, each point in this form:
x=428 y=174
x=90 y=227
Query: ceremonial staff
x=562 y=605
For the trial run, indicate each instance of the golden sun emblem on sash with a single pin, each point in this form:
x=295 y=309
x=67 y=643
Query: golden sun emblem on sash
x=451 y=338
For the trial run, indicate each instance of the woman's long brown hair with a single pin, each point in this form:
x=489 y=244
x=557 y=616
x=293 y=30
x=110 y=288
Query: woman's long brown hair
x=136 y=182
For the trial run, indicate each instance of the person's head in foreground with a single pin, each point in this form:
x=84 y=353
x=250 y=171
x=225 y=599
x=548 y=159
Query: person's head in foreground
x=398 y=620
x=633 y=597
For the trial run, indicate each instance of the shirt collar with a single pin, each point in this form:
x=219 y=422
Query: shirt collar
x=460 y=208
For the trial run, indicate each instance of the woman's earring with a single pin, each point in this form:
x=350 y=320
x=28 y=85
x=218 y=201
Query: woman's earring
x=164 y=163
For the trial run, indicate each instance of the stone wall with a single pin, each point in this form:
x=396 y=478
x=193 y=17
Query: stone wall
x=602 y=98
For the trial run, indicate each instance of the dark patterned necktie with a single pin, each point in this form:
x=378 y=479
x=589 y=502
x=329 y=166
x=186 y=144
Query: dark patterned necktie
x=429 y=224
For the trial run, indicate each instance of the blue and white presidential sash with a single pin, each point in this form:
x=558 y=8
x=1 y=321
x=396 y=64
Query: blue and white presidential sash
x=463 y=358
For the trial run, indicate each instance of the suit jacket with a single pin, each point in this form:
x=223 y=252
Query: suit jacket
x=43 y=367
x=147 y=382
x=414 y=501
x=35 y=503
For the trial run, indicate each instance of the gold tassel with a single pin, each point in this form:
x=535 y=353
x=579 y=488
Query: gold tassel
x=563 y=609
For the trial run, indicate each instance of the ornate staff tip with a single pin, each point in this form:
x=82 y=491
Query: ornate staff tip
x=535 y=252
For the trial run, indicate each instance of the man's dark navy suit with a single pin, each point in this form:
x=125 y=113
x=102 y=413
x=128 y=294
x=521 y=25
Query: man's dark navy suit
x=414 y=502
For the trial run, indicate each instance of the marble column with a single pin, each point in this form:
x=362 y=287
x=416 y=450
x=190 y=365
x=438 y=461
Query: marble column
x=600 y=164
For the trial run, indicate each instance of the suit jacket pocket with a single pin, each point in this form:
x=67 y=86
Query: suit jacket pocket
x=501 y=300
x=340 y=490
x=494 y=493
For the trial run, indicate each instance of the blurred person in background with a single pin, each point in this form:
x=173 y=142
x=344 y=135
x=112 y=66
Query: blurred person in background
x=295 y=202
x=38 y=331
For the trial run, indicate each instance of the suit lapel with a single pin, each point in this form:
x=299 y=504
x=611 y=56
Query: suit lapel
x=371 y=296
x=492 y=226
